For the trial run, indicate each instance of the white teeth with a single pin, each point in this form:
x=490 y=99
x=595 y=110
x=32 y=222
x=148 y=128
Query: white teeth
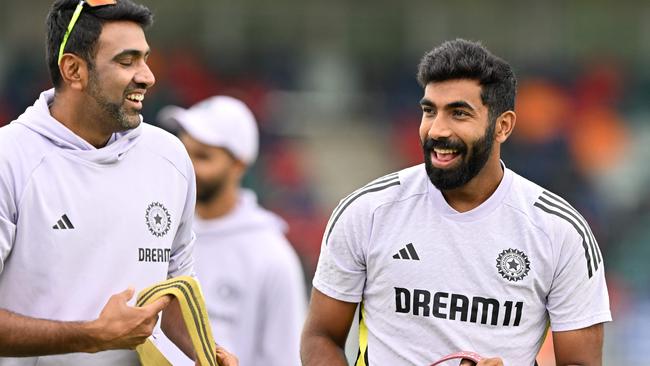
x=135 y=97
x=445 y=151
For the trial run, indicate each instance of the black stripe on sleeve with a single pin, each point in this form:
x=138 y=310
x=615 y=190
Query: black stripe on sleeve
x=387 y=178
x=584 y=243
x=577 y=223
x=566 y=204
x=353 y=198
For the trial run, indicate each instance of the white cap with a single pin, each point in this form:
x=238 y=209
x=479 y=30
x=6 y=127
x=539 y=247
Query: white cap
x=219 y=121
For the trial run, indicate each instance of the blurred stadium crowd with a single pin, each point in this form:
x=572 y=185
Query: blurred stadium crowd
x=331 y=121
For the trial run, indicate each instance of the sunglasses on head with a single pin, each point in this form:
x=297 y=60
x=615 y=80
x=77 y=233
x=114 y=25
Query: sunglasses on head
x=75 y=17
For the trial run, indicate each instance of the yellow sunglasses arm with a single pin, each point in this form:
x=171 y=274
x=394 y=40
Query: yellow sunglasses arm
x=73 y=21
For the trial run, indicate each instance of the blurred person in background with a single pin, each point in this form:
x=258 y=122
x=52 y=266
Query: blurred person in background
x=78 y=174
x=458 y=253
x=251 y=277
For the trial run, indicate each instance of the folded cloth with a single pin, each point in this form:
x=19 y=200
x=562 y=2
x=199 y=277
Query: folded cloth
x=188 y=292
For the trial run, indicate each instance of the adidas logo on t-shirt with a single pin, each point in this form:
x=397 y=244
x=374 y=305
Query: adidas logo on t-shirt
x=63 y=223
x=408 y=252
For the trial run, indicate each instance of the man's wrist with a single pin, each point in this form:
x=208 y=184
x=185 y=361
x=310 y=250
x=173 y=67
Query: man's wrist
x=91 y=336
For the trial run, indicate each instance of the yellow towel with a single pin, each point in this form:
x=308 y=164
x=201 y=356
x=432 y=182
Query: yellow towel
x=190 y=298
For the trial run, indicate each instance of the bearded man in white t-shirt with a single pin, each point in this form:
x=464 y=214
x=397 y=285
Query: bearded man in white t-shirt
x=255 y=297
x=95 y=204
x=459 y=253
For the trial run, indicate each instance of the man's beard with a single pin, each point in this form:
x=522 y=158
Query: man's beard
x=469 y=166
x=207 y=191
x=115 y=111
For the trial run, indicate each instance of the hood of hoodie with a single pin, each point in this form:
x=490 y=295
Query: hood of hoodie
x=38 y=119
x=247 y=216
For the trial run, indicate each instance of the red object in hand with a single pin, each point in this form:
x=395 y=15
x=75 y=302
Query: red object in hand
x=475 y=357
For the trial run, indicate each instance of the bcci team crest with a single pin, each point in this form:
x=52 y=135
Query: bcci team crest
x=158 y=219
x=513 y=264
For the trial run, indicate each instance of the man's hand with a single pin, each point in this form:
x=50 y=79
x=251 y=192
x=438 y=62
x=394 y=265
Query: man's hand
x=121 y=326
x=484 y=362
x=224 y=358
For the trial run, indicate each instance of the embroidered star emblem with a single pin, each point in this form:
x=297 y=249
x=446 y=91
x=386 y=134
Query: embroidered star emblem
x=158 y=219
x=512 y=264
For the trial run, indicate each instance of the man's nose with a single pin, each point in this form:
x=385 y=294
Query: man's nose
x=439 y=128
x=145 y=76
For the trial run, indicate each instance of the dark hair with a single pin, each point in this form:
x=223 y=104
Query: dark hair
x=83 y=38
x=461 y=59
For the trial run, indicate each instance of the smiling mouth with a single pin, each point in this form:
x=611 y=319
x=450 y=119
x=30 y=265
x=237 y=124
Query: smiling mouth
x=136 y=97
x=444 y=157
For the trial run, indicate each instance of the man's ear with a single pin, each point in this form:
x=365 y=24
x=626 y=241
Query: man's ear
x=240 y=168
x=74 y=71
x=505 y=123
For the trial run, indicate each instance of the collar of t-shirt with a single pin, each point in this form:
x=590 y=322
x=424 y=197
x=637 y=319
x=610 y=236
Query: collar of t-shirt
x=478 y=212
x=38 y=119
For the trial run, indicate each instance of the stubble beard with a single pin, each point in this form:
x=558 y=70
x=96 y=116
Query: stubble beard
x=115 y=111
x=208 y=191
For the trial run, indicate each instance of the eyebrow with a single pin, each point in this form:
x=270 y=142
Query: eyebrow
x=426 y=102
x=452 y=105
x=132 y=52
x=459 y=104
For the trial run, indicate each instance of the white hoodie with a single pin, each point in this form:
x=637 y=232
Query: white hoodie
x=78 y=224
x=253 y=285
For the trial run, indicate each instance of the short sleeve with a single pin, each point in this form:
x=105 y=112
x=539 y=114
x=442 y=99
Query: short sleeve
x=341 y=270
x=181 y=260
x=578 y=296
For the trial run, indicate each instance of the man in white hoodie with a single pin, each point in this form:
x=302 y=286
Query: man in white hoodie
x=250 y=274
x=92 y=201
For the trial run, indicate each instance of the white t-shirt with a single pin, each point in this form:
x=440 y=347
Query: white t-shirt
x=253 y=285
x=432 y=281
x=78 y=224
